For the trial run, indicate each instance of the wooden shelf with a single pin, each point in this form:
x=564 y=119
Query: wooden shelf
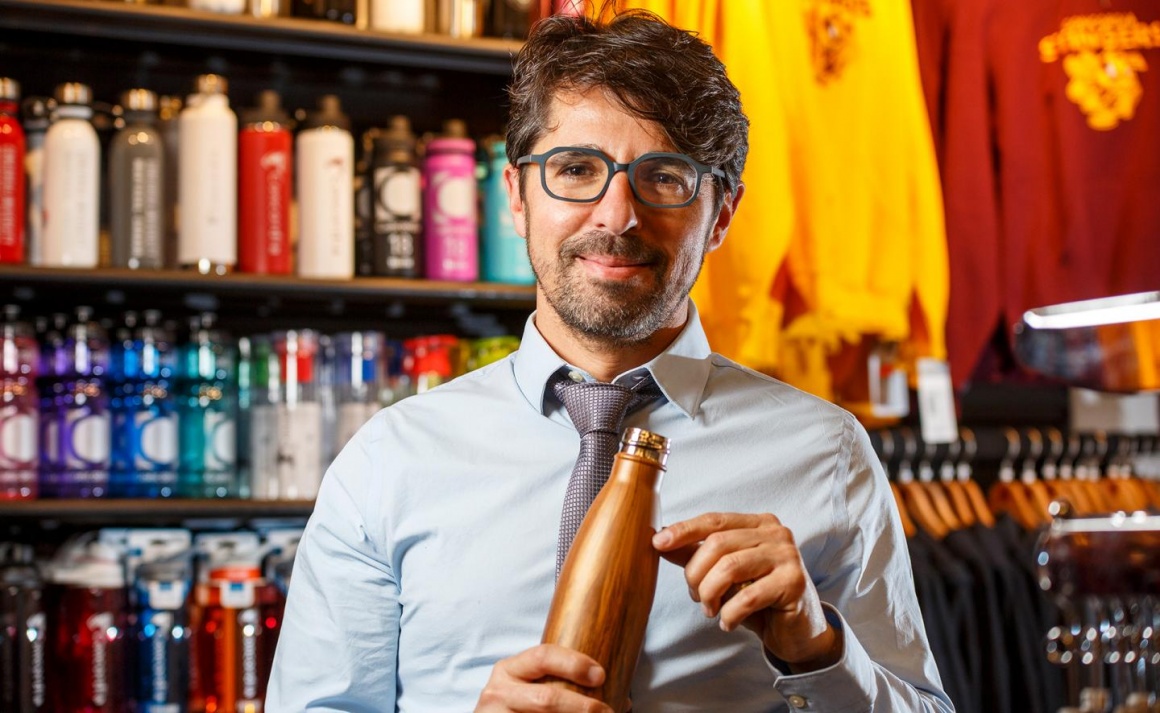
x=167 y=512
x=254 y=303
x=359 y=289
x=177 y=26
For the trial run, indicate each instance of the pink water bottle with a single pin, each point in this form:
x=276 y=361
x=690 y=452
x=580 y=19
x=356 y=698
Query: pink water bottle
x=450 y=206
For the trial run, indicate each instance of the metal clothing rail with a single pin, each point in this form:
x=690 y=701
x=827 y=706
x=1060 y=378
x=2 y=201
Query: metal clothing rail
x=986 y=450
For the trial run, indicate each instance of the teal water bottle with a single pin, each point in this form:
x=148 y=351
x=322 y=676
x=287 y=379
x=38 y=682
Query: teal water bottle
x=207 y=413
x=505 y=254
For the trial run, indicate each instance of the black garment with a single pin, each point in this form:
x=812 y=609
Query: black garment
x=994 y=684
x=1020 y=623
x=941 y=624
x=964 y=617
x=1022 y=547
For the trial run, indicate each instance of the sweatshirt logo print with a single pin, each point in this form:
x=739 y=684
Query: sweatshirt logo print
x=1101 y=55
x=830 y=27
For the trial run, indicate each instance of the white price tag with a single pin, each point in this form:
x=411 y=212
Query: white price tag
x=936 y=402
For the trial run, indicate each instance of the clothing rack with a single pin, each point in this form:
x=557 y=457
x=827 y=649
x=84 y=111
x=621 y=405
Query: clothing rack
x=1023 y=612
x=987 y=450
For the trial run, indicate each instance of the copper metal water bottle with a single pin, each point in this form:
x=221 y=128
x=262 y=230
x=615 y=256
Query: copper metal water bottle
x=608 y=580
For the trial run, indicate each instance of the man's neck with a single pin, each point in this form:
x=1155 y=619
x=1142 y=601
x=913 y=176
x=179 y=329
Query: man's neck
x=604 y=359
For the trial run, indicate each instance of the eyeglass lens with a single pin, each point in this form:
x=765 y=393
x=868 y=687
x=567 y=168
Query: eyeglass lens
x=664 y=180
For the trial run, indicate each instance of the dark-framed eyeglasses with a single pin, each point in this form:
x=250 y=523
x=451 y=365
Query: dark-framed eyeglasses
x=582 y=175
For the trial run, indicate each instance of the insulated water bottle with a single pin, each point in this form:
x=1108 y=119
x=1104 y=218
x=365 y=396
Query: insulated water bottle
x=136 y=185
x=606 y=586
x=12 y=150
x=207 y=181
x=72 y=183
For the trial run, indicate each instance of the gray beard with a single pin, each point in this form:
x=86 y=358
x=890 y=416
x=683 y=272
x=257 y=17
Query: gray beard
x=613 y=313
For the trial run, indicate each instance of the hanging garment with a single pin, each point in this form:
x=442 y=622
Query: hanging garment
x=868 y=254
x=951 y=40
x=1067 y=91
x=841 y=232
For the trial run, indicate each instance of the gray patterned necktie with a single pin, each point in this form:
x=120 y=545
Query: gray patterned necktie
x=597 y=410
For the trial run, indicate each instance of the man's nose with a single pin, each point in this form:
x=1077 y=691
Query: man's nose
x=616 y=211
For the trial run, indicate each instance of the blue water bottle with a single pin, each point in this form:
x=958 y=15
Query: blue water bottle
x=162 y=635
x=143 y=405
x=505 y=254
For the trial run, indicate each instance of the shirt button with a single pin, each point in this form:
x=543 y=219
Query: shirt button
x=798 y=701
x=576 y=376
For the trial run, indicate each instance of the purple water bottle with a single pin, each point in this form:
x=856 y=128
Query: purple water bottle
x=75 y=419
x=450 y=206
x=18 y=407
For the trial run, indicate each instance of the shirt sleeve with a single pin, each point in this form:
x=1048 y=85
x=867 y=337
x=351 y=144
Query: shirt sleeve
x=337 y=647
x=865 y=579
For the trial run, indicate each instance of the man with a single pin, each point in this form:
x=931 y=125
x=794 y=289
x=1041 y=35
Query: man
x=423 y=580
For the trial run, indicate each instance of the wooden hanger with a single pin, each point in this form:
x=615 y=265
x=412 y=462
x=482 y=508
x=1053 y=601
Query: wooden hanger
x=964 y=475
x=1071 y=489
x=1029 y=475
x=915 y=496
x=954 y=489
x=887 y=452
x=1009 y=494
x=1049 y=471
x=1089 y=471
x=908 y=527
x=1124 y=490
x=934 y=490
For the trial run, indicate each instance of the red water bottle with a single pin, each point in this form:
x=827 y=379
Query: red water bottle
x=11 y=174
x=87 y=624
x=234 y=634
x=265 y=166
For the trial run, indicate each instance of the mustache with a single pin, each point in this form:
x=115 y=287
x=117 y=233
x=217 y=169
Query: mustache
x=599 y=243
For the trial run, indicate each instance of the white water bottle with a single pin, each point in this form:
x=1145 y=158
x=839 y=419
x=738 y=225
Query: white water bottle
x=325 y=173
x=207 y=180
x=72 y=181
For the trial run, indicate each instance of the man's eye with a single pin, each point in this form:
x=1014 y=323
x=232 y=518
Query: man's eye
x=576 y=170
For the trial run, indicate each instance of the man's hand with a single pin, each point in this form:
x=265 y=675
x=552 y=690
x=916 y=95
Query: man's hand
x=516 y=682
x=747 y=570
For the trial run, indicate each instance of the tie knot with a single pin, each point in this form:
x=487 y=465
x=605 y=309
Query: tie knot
x=596 y=406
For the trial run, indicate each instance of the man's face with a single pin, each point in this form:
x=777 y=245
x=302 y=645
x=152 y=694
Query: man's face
x=615 y=270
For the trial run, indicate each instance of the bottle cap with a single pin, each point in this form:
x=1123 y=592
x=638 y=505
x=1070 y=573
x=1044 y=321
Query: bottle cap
x=73 y=93
x=168 y=106
x=268 y=109
x=329 y=114
x=236 y=572
x=455 y=128
x=139 y=100
x=646 y=444
x=494 y=147
x=36 y=113
x=9 y=89
x=397 y=142
x=453 y=139
x=211 y=84
x=96 y=565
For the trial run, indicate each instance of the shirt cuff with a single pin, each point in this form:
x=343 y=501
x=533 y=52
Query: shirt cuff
x=846 y=686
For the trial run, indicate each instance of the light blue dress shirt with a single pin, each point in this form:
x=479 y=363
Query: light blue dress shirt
x=431 y=551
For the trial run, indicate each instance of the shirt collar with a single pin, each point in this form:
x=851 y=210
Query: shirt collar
x=681 y=371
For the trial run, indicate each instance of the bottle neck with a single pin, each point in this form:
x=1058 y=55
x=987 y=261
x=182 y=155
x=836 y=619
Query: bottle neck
x=74 y=111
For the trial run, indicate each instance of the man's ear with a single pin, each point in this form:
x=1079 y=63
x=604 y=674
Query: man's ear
x=725 y=217
x=511 y=180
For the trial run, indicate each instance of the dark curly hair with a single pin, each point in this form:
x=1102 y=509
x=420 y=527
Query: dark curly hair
x=657 y=72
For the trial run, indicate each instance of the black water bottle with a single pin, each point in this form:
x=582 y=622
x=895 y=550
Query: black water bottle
x=22 y=632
